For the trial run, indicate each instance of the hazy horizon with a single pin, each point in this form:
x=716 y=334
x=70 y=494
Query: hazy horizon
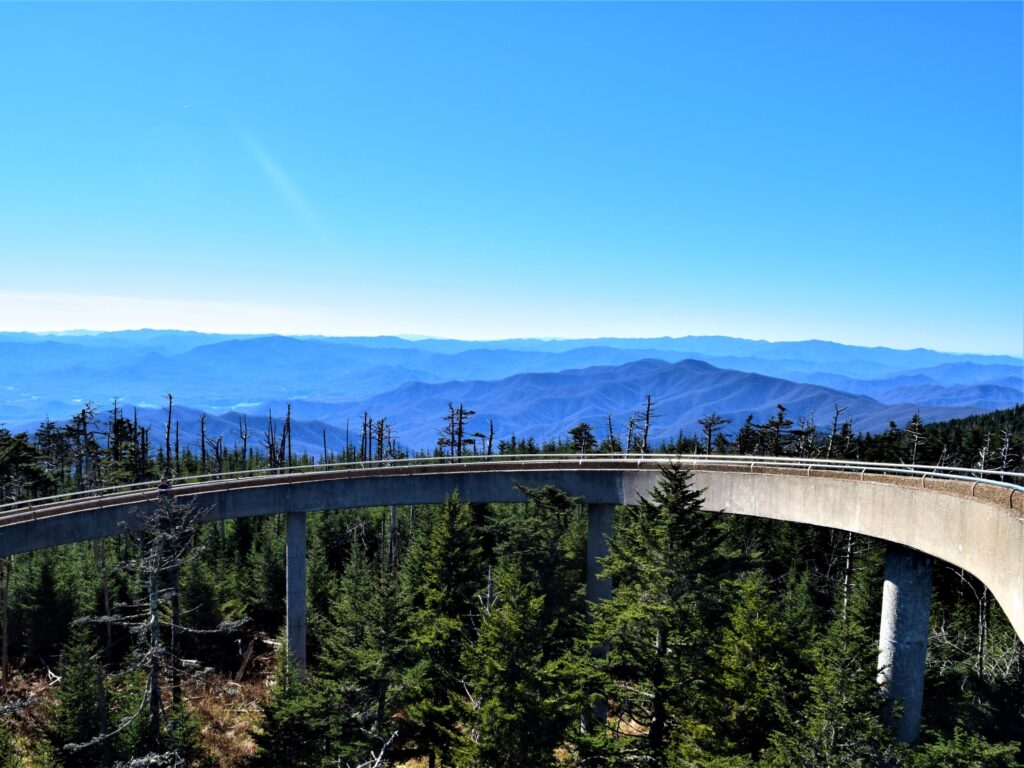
x=413 y=337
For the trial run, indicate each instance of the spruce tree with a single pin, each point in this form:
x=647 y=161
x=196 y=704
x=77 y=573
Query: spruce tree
x=360 y=664
x=753 y=670
x=513 y=719
x=840 y=726
x=666 y=565
x=81 y=711
x=287 y=735
x=439 y=587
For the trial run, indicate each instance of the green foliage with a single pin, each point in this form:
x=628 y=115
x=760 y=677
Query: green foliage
x=80 y=714
x=9 y=757
x=361 y=659
x=724 y=649
x=965 y=750
x=287 y=735
x=756 y=669
x=548 y=538
x=513 y=702
x=184 y=738
x=443 y=578
x=839 y=727
x=666 y=565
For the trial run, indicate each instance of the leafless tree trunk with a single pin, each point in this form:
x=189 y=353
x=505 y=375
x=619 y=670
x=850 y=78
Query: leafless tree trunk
x=202 y=442
x=648 y=415
x=984 y=451
x=167 y=436
x=847 y=574
x=243 y=433
x=100 y=555
x=983 y=615
x=837 y=412
x=288 y=431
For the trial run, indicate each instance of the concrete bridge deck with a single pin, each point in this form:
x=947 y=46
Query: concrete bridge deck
x=966 y=517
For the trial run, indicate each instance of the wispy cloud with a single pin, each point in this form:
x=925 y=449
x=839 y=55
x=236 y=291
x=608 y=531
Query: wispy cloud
x=281 y=181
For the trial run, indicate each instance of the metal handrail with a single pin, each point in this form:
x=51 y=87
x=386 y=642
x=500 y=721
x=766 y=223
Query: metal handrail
x=982 y=476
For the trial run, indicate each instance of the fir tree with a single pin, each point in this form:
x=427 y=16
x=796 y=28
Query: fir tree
x=513 y=717
x=361 y=659
x=666 y=565
x=754 y=672
x=287 y=735
x=81 y=712
x=839 y=727
x=443 y=577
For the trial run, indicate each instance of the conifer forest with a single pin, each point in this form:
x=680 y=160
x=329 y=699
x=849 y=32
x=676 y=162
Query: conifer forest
x=460 y=634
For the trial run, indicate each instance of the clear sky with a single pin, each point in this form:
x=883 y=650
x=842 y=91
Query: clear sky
x=849 y=171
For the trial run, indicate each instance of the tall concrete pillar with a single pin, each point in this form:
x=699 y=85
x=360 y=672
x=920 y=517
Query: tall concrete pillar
x=295 y=588
x=600 y=519
x=903 y=638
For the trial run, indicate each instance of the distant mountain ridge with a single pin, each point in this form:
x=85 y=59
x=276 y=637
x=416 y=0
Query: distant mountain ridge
x=53 y=375
x=546 y=405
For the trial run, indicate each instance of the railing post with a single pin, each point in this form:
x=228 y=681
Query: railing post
x=903 y=637
x=295 y=589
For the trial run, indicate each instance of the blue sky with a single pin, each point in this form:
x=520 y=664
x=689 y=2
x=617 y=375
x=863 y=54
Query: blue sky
x=850 y=171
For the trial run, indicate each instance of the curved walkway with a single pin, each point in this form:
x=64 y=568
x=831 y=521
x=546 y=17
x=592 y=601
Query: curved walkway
x=971 y=519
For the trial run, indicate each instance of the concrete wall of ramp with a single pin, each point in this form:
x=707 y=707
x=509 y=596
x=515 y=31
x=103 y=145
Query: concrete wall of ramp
x=953 y=521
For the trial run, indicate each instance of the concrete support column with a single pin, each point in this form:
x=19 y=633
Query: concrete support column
x=295 y=588
x=600 y=519
x=903 y=638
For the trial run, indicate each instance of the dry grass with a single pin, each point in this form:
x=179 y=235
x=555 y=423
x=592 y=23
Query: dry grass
x=228 y=712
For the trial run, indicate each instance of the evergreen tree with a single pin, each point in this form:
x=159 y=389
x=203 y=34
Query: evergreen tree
x=548 y=539
x=666 y=565
x=287 y=735
x=754 y=672
x=81 y=709
x=839 y=727
x=513 y=717
x=443 y=577
x=361 y=660
x=965 y=750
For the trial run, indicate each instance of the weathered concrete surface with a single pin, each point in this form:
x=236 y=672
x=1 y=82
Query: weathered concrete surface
x=600 y=522
x=295 y=588
x=600 y=527
x=979 y=534
x=984 y=538
x=903 y=637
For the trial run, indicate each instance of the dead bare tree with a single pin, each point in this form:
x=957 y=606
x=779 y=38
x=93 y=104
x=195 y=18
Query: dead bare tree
x=270 y=441
x=712 y=423
x=167 y=436
x=244 y=434
x=646 y=416
x=836 y=413
x=630 y=427
x=202 y=442
x=165 y=535
x=453 y=437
